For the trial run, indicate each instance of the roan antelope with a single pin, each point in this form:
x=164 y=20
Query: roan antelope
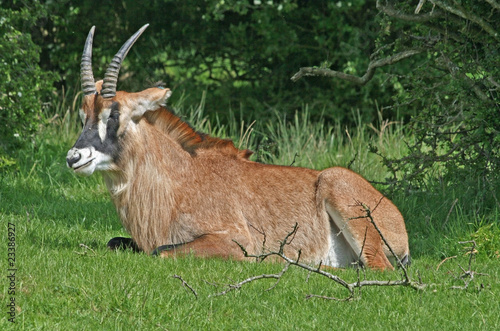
x=184 y=191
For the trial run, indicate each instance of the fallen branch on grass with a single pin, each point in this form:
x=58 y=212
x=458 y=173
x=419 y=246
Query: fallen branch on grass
x=86 y=250
x=186 y=285
x=469 y=274
x=351 y=287
x=444 y=260
x=231 y=287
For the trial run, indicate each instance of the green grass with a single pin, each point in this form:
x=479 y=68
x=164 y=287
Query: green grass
x=62 y=285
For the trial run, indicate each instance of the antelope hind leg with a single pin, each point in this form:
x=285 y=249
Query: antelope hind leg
x=362 y=237
x=340 y=192
x=209 y=245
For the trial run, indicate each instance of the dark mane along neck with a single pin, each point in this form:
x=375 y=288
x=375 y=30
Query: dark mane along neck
x=188 y=138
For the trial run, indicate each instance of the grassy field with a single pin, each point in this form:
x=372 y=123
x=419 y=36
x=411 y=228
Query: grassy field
x=66 y=279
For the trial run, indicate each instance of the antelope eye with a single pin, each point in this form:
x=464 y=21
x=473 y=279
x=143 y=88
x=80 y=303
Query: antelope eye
x=114 y=115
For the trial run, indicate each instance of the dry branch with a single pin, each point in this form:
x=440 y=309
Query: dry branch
x=368 y=214
x=469 y=274
x=445 y=9
x=419 y=6
x=231 y=287
x=391 y=11
x=444 y=260
x=186 y=285
x=406 y=281
x=461 y=12
x=372 y=66
x=263 y=233
x=86 y=250
x=494 y=4
x=441 y=9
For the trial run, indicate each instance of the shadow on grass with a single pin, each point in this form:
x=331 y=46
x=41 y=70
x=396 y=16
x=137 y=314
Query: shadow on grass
x=55 y=216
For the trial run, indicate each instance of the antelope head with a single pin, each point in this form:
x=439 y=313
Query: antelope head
x=107 y=114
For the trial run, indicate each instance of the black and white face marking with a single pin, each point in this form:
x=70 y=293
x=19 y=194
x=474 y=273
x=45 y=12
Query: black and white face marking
x=97 y=148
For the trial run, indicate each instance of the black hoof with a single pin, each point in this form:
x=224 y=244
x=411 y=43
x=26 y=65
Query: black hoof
x=123 y=244
x=406 y=261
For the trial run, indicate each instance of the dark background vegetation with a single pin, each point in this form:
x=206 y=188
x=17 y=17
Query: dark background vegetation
x=243 y=53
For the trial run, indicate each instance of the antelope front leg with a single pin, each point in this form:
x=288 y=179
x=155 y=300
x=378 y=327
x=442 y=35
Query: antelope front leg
x=122 y=244
x=209 y=245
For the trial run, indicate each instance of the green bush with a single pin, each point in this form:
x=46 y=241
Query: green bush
x=455 y=90
x=24 y=86
x=487 y=239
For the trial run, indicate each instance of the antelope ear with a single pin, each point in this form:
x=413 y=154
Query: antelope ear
x=149 y=100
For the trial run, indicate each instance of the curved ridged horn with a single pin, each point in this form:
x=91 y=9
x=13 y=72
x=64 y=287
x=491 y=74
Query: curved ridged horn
x=111 y=77
x=87 y=77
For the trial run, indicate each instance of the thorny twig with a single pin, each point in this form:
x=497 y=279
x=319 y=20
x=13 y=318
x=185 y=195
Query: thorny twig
x=263 y=256
x=444 y=260
x=186 y=285
x=263 y=233
x=294 y=157
x=349 y=286
x=231 y=287
x=87 y=248
x=358 y=262
x=368 y=214
x=468 y=275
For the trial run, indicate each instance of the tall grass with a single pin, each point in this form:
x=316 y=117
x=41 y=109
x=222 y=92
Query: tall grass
x=299 y=141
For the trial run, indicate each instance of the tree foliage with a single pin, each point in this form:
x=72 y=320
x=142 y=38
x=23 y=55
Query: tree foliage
x=23 y=84
x=242 y=51
x=452 y=92
x=455 y=87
